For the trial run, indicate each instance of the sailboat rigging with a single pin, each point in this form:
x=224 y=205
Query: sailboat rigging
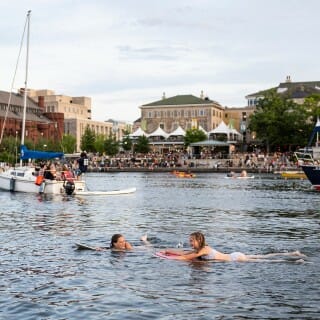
x=26 y=178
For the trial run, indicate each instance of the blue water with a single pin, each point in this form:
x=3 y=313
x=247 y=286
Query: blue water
x=42 y=276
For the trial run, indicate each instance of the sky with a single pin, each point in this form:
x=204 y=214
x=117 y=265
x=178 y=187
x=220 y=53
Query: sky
x=127 y=53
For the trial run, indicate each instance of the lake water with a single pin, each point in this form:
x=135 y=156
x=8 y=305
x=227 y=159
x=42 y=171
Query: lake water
x=42 y=276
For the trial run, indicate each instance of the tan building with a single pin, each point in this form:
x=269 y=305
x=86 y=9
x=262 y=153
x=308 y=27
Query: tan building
x=186 y=111
x=238 y=118
x=71 y=107
x=77 y=115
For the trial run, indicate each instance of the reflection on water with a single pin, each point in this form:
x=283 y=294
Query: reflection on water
x=43 y=276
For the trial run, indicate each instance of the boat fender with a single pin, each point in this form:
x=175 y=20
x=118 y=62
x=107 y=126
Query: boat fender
x=12 y=184
x=69 y=187
x=42 y=186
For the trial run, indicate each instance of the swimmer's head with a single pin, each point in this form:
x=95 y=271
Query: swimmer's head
x=118 y=242
x=197 y=240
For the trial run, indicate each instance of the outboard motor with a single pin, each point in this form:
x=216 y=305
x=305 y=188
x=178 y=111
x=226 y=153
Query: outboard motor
x=69 y=187
x=12 y=184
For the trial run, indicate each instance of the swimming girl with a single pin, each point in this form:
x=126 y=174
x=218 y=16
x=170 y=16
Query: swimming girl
x=202 y=251
x=119 y=243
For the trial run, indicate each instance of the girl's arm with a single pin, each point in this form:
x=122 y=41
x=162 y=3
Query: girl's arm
x=192 y=255
x=176 y=252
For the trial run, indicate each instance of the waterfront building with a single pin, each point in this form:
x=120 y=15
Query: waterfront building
x=77 y=115
x=186 y=111
x=49 y=116
x=238 y=118
x=39 y=124
x=297 y=91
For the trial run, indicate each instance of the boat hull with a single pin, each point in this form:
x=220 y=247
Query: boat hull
x=293 y=175
x=313 y=174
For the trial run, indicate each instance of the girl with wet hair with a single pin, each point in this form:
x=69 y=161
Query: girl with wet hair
x=119 y=243
x=202 y=251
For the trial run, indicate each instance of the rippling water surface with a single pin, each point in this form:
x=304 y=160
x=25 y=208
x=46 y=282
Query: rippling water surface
x=42 y=276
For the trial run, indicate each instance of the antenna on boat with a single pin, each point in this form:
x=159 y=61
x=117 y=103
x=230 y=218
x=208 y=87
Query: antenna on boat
x=25 y=84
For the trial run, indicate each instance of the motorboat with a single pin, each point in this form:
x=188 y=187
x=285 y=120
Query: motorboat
x=306 y=160
x=26 y=179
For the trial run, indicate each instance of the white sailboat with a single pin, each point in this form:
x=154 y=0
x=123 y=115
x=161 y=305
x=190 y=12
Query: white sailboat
x=25 y=178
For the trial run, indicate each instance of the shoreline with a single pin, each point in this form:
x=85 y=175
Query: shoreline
x=182 y=169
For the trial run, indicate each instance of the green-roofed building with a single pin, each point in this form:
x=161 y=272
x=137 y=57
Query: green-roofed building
x=186 y=111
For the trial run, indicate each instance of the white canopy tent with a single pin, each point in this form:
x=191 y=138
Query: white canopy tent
x=158 y=133
x=178 y=132
x=138 y=133
x=223 y=129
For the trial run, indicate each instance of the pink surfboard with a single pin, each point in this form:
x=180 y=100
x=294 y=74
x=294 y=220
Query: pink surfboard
x=163 y=255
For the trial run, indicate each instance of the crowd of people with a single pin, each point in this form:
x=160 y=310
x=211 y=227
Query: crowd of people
x=152 y=160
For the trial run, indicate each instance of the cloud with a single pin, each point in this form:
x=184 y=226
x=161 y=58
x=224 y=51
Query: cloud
x=126 y=53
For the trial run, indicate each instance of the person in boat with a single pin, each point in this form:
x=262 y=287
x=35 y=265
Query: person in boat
x=243 y=174
x=67 y=173
x=201 y=251
x=49 y=172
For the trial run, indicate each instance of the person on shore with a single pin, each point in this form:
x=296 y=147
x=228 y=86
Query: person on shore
x=202 y=251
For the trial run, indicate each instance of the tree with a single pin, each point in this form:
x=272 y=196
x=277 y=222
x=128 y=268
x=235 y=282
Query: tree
x=279 y=122
x=10 y=150
x=99 y=143
x=68 y=143
x=194 y=135
x=312 y=105
x=142 y=145
x=87 y=140
x=111 y=146
x=126 y=141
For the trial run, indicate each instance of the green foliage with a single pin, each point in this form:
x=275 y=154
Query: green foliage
x=68 y=143
x=111 y=146
x=9 y=150
x=87 y=140
x=194 y=135
x=126 y=141
x=312 y=105
x=99 y=143
x=280 y=122
x=142 y=145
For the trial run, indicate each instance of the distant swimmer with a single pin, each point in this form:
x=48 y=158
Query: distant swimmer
x=202 y=251
x=231 y=174
x=243 y=174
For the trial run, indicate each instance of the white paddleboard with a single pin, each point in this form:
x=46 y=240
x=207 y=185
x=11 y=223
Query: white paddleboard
x=106 y=193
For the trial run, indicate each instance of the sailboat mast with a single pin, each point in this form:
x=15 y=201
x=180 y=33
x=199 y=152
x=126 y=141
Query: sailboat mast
x=26 y=83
